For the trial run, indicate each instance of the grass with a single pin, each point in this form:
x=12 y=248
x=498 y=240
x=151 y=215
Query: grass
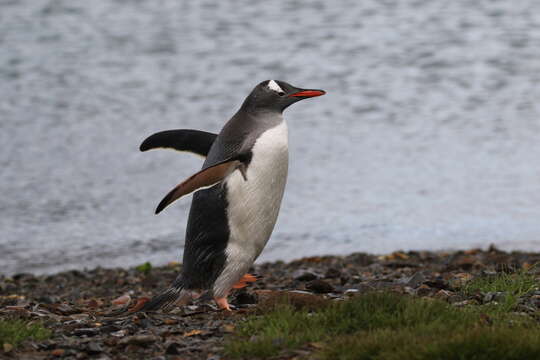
x=15 y=331
x=385 y=326
x=145 y=268
x=512 y=285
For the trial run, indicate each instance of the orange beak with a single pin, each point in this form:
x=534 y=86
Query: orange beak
x=308 y=93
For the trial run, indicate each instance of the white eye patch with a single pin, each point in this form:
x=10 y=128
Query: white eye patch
x=272 y=85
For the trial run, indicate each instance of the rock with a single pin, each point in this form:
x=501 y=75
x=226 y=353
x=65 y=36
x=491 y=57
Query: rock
x=93 y=348
x=120 y=333
x=460 y=280
x=401 y=264
x=304 y=275
x=423 y=290
x=141 y=340
x=535 y=300
x=173 y=348
x=58 y=352
x=86 y=331
x=228 y=328
x=409 y=290
x=525 y=308
x=464 y=303
x=360 y=259
x=332 y=273
x=48 y=299
x=416 y=280
x=438 y=283
x=7 y=347
x=62 y=309
x=195 y=332
x=465 y=262
x=443 y=295
x=319 y=287
x=496 y=296
x=381 y=284
x=245 y=298
x=170 y=321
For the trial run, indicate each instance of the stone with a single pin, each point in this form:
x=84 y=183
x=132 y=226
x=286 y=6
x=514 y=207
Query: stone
x=416 y=280
x=93 y=348
x=319 y=287
x=245 y=298
x=423 y=290
x=141 y=340
x=304 y=275
x=332 y=273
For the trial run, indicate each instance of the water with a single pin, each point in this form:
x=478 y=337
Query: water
x=427 y=138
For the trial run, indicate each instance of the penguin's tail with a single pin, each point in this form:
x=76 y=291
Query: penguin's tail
x=164 y=301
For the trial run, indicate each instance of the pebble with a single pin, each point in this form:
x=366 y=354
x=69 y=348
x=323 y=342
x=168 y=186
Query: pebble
x=423 y=290
x=245 y=298
x=304 y=275
x=319 y=287
x=497 y=296
x=535 y=300
x=332 y=273
x=443 y=294
x=93 y=348
x=139 y=340
x=7 y=347
x=119 y=333
x=58 y=352
x=416 y=280
x=173 y=348
x=86 y=331
x=438 y=283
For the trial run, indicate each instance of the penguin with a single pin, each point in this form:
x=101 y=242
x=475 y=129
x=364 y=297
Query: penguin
x=236 y=194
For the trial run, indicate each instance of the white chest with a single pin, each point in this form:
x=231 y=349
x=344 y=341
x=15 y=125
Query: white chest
x=254 y=204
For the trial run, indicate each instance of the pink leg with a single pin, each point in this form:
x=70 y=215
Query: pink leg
x=222 y=303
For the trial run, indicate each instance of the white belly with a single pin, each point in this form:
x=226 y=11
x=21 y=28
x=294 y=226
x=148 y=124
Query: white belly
x=253 y=205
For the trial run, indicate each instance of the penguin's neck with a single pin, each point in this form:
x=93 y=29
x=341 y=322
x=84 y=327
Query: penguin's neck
x=256 y=121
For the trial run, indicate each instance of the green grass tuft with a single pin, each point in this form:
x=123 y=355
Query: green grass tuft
x=384 y=326
x=15 y=331
x=513 y=286
x=144 y=268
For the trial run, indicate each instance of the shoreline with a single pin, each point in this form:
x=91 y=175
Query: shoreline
x=71 y=303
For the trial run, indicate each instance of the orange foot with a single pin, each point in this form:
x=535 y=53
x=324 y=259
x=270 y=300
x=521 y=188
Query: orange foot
x=243 y=282
x=222 y=303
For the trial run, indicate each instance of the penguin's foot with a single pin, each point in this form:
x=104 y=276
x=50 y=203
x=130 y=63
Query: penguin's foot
x=222 y=303
x=243 y=282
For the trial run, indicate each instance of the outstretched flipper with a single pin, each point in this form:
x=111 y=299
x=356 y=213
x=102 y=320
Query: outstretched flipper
x=204 y=179
x=195 y=141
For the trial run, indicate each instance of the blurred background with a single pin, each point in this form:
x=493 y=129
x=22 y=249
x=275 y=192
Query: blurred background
x=428 y=137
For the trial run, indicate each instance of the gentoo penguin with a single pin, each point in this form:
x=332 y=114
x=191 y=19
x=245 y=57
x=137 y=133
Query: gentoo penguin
x=237 y=193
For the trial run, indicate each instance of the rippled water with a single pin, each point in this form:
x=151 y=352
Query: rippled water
x=428 y=137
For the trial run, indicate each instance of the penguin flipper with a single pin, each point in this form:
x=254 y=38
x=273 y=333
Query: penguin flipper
x=195 y=141
x=204 y=179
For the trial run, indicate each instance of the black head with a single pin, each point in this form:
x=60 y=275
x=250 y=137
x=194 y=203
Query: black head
x=276 y=95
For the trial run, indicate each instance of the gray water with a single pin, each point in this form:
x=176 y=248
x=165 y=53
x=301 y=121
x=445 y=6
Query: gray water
x=428 y=137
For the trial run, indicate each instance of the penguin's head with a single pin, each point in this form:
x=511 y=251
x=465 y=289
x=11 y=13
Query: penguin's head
x=277 y=95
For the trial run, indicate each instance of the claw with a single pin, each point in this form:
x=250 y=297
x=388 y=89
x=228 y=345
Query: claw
x=222 y=303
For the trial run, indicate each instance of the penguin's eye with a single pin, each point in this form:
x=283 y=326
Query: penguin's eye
x=281 y=93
